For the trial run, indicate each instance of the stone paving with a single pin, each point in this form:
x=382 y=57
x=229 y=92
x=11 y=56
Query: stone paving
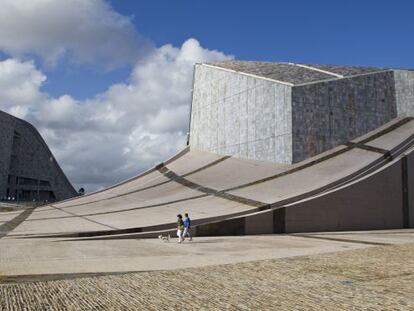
x=48 y=256
x=373 y=278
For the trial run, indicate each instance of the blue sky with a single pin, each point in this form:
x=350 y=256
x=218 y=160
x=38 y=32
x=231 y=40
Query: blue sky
x=370 y=33
x=377 y=33
x=108 y=83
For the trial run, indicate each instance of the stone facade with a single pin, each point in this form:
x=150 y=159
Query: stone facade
x=286 y=113
x=242 y=116
x=404 y=87
x=28 y=170
x=331 y=113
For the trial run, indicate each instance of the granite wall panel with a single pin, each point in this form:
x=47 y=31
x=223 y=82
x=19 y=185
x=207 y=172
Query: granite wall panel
x=330 y=113
x=404 y=87
x=239 y=115
x=249 y=117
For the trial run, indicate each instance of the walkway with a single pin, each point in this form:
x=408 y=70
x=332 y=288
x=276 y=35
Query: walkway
x=374 y=278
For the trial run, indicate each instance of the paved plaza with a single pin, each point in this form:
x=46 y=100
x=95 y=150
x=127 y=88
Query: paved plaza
x=277 y=226
x=371 y=270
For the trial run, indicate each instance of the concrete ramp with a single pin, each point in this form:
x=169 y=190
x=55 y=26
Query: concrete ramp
x=367 y=183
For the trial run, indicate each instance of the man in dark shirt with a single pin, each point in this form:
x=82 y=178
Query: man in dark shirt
x=187 y=226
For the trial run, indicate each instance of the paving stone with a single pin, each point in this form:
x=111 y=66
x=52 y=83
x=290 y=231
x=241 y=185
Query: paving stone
x=376 y=278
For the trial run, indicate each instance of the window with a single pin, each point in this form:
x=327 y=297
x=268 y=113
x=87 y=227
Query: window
x=44 y=183
x=27 y=181
x=31 y=181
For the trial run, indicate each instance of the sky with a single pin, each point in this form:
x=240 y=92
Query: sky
x=108 y=83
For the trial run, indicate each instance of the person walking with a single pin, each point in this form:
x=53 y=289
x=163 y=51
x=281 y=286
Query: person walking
x=180 y=228
x=187 y=226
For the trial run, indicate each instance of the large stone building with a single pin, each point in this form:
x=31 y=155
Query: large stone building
x=338 y=145
x=285 y=113
x=28 y=170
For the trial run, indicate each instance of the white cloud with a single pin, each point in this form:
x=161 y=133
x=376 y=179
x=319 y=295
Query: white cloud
x=84 y=31
x=117 y=133
x=19 y=86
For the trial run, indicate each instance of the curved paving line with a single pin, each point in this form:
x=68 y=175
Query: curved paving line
x=368 y=148
x=339 y=239
x=175 y=157
x=208 y=191
x=10 y=213
x=372 y=167
x=119 y=211
x=206 y=166
x=348 y=147
x=18 y=279
x=294 y=170
x=156 y=185
x=386 y=130
x=146 y=229
x=170 y=174
x=13 y=223
x=85 y=218
x=185 y=182
x=118 y=195
x=387 y=156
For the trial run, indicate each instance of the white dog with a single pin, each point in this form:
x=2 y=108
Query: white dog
x=165 y=238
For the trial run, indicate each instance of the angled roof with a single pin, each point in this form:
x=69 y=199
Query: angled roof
x=212 y=188
x=294 y=73
x=347 y=71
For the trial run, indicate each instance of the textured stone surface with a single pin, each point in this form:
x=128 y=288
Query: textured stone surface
x=325 y=115
x=284 y=72
x=295 y=73
x=242 y=116
x=302 y=112
x=32 y=159
x=218 y=189
x=347 y=70
x=377 y=278
x=60 y=256
x=404 y=87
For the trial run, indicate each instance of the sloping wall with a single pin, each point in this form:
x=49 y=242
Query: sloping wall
x=330 y=113
x=25 y=157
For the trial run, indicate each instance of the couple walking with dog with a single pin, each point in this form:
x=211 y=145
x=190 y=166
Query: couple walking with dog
x=183 y=227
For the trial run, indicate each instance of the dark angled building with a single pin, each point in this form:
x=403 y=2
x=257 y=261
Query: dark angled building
x=28 y=169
